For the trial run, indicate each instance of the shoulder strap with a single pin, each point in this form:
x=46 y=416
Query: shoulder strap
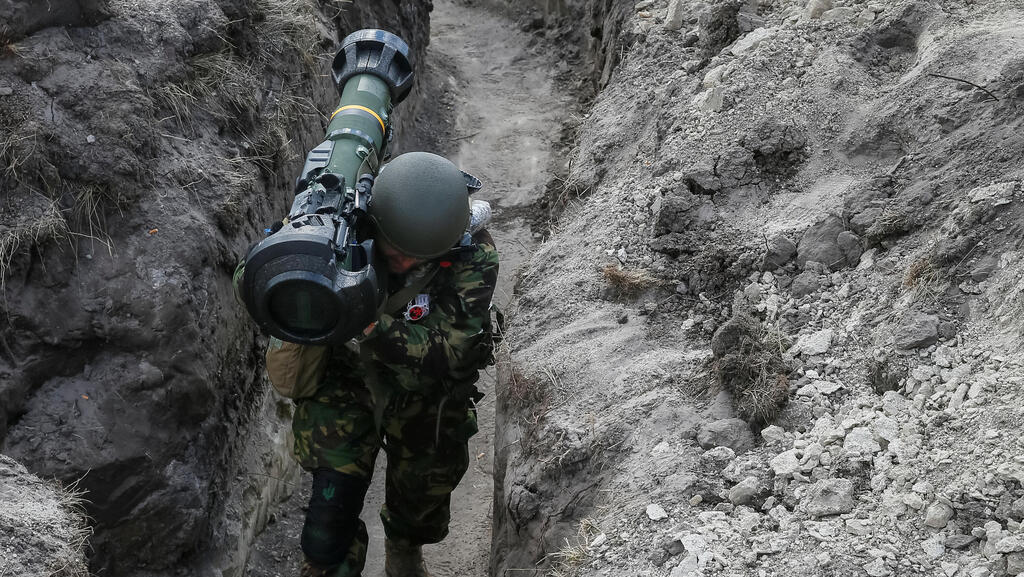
x=412 y=288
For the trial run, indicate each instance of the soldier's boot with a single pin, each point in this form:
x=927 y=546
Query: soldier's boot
x=403 y=560
x=311 y=570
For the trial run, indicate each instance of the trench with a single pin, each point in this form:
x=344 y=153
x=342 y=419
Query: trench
x=503 y=117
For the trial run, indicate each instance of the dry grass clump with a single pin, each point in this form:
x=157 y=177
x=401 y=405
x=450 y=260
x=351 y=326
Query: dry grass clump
x=72 y=502
x=749 y=364
x=576 y=552
x=525 y=393
x=19 y=233
x=223 y=86
x=285 y=25
x=628 y=283
x=885 y=375
x=921 y=272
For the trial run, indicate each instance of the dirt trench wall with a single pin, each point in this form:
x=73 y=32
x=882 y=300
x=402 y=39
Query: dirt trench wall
x=812 y=163
x=143 y=146
x=592 y=36
x=592 y=33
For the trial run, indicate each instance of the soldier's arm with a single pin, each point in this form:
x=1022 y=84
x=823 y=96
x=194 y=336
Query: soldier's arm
x=447 y=344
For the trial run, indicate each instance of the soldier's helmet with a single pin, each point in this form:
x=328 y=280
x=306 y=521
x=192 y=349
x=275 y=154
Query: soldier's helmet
x=420 y=205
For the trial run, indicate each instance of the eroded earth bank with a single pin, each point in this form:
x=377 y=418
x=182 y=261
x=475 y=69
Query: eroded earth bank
x=143 y=146
x=775 y=329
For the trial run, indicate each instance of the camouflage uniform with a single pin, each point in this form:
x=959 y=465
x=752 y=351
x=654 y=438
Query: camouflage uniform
x=428 y=369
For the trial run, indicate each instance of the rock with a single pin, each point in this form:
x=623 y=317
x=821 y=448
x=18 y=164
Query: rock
x=861 y=441
x=732 y=433
x=749 y=22
x=695 y=544
x=1010 y=544
x=774 y=435
x=780 y=251
x=717 y=458
x=815 y=8
x=938 y=515
x=1015 y=563
x=829 y=497
x=850 y=244
x=981 y=271
x=913 y=501
x=917 y=331
x=885 y=430
x=838 y=14
x=753 y=293
x=959 y=541
x=711 y=100
x=877 y=567
x=858 y=527
x=656 y=512
x=813 y=344
x=6 y=91
x=804 y=284
x=686 y=568
x=933 y=548
x=676 y=15
x=785 y=463
x=827 y=387
x=744 y=491
x=750 y=41
x=819 y=243
x=865 y=17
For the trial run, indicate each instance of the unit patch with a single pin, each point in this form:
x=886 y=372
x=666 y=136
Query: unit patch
x=418 y=308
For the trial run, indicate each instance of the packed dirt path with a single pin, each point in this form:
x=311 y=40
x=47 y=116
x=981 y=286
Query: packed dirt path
x=507 y=117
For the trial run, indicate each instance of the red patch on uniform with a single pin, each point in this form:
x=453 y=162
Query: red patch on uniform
x=445 y=263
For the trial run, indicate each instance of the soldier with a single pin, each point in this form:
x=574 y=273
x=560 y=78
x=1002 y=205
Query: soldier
x=408 y=385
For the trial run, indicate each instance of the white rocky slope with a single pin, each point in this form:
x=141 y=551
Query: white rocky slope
x=806 y=164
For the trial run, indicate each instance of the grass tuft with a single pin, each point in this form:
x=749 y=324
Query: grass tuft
x=72 y=501
x=628 y=283
x=749 y=364
x=22 y=233
x=576 y=552
x=285 y=25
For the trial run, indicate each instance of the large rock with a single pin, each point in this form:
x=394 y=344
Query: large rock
x=916 y=331
x=780 y=251
x=937 y=515
x=829 y=497
x=744 y=491
x=804 y=284
x=816 y=343
x=676 y=15
x=732 y=433
x=821 y=243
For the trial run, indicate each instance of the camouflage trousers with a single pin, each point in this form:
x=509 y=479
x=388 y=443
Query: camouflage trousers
x=425 y=438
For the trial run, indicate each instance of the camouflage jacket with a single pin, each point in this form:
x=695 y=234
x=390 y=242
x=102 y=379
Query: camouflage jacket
x=444 y=350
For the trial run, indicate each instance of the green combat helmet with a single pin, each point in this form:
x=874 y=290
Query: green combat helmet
x=419 y=204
